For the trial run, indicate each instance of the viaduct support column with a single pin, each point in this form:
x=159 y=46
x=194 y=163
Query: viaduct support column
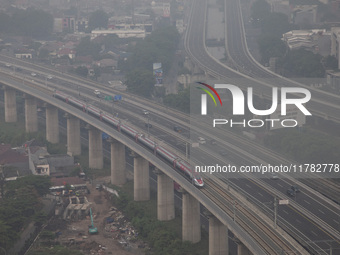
x=10 y=105
x=31 y=116
x=218 y=237
x=191 y=221
x=242 y=249
x=118 y=175
x=73 y=136
x=141 y=190
x=165 y=197
x=95 y=148
x=52 y=124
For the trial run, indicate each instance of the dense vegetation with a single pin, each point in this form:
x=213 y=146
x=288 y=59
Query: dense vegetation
x=292 y=63
x=159 y=47
x=28 y=22
x=305 y=146
x=98 y=19
x=162 y=237
x=180 y=101
x=14 y=134
x=54 y=250
x=19 y=205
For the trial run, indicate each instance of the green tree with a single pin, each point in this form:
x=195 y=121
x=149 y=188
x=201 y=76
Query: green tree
x=88 y=48
x=270 y=46
x=304 y=63
x=82 y=71
x=331 y=62
x=43 y=53
x=160 y=46
x=98 y=19
x=140 y=82
x=259 y=10
x=55 y=250
x=5 y=20
x=7 y=235
x=97 y=72
x=275 y=24
x=40 y=183
x=31 y=22
x=111 y=41
x=180 y=101
x=308 y=146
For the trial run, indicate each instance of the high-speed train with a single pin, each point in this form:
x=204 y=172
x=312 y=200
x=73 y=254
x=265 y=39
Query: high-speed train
x=182 y=166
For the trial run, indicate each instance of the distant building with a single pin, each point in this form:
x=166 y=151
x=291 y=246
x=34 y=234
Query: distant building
x=81 y=25
x=62 y=24
x=335 y=40
x=304 y=15
x=16 y=158
x=315 y=40
x=58 y=25
x=129 y=33
x=42 y=163
x=74 y=181
x=324 y=1
x=281 y=6
x=69 y=24
x=66 y=52
x=37 y=161
x=23 y=54
x=124 y=30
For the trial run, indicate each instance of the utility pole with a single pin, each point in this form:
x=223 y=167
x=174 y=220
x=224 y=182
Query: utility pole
x=275 y=212
x=148 y=125
x=186 y=150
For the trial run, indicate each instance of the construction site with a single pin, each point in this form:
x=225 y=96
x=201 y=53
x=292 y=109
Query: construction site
x=89 y=223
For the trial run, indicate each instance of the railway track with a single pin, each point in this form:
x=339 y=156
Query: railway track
x=229 y=136
x=239 y=213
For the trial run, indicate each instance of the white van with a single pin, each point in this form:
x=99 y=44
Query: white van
x=201 y=140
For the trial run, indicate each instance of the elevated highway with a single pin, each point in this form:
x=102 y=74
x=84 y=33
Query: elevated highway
x=271 y=243
x=245 y=148
x=225 y=202
x=322 y=104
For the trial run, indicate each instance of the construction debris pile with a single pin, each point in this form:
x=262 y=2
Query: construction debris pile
x=119 y=229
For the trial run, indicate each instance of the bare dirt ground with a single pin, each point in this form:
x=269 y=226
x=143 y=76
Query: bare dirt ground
x=109 y=234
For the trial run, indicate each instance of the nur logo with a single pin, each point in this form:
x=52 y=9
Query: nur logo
x=204 y=97
x=239 y=99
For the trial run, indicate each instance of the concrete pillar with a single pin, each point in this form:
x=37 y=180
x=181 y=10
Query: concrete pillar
x=52 y=124
x=31 y=116
x=141 y=191
x=333 y=42
x=191 y=221
x=218 y=237
x=338 y=51
x=165 y=197
x=10 y=105
x=242 y=249
x=73 y=136
x=118 y=175
x=95 y=149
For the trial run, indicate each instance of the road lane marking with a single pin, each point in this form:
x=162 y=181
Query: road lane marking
x=321 y=211
x=306 y=202
x=337 y=222
x=280 y=185
x=260 y=194
x=298 y=220
x=285 y=211
x=248 y=185
x=313 y=233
